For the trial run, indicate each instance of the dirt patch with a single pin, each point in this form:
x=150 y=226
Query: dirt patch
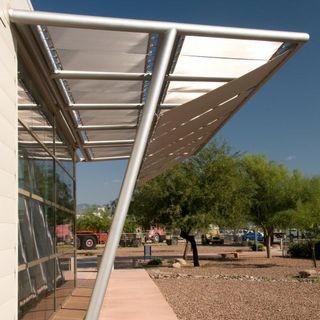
x=247 y=288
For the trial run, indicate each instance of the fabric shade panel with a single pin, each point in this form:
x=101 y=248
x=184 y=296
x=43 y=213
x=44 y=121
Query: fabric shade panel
x=110 y=51
x=222 y=48
x=180 y=92
x=63 y=153
x=100 y=50
x=109 y=117
x=105 y=91
x=114 y=151
x=215 y=57
x=108 y=135
x=33 y=117
x=23 y=96
x=182 y=131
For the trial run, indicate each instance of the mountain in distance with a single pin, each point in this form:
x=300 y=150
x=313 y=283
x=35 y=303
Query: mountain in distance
x=81 y=207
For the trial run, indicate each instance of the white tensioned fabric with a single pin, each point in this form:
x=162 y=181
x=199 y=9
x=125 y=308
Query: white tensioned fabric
x=100 y=50
x=105 y=91
x=114 y=134
x=123 y=151
x=184 y=130
x=109 y=51
x=106 y=117
x=218 y=57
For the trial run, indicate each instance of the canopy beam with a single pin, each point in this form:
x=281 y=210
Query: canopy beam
x=106 y=23
x=102 y=75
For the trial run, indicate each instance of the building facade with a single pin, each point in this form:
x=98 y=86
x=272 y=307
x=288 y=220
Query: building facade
x=37 y=181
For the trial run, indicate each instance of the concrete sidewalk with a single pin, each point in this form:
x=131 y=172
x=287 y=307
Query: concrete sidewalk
x=131 y=295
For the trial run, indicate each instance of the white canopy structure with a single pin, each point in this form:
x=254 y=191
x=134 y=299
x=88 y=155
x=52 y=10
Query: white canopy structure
x=151 y=92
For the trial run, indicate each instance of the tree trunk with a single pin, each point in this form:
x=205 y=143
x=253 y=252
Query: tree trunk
x=185 y=253
x=191 y=239
x=268 y=240
x=313 y=249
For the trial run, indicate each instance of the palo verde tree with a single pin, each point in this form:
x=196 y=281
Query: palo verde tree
x=307 y=214
x=171 y=199
x=208 y=188
x=273 y=193
x=224 y=185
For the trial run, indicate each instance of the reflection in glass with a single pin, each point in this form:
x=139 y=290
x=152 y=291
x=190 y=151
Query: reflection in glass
x=35 y=170
x=66 y=283
x=36 y=291
x=64 y=231
x=46 y=252
x=64 y=185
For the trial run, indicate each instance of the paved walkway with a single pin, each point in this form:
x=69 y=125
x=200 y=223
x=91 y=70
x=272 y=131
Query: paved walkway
x=131 y=295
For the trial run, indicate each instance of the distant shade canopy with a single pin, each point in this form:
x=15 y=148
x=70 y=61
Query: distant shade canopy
x=105 y=76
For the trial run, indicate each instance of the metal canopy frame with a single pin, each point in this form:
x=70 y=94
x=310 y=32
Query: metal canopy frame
x=150 y=127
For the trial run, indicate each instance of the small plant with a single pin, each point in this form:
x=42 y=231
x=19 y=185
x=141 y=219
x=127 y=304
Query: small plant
x=250 y=243
x=303 y=249
x=261 y=247
x=155 y=262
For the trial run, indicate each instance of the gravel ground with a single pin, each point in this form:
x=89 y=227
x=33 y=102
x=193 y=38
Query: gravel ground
x=247 y=288
x=251 y=287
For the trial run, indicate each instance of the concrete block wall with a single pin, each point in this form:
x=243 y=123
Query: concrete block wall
x=8 y=164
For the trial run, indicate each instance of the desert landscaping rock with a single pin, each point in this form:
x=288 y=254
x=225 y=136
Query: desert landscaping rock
x=252 y=287
x=308 y=273
x=181 y=261
x=176 y=265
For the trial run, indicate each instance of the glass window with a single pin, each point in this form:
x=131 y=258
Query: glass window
x=64 y=187
x=36 y=224
x=35 y=169
x=36 y=291
x=46 y=252
x=65 y=276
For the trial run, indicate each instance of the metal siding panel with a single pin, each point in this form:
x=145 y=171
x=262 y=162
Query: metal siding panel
x=7 y=158
x=9 y=256
x=8 y=113
x=8 y=294
x=6 y=208
x=8 y=131
x=8 y=167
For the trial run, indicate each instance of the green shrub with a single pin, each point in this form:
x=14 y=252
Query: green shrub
x=155 y=262
x=250 y=243
x=303 y=249
x=261 y=247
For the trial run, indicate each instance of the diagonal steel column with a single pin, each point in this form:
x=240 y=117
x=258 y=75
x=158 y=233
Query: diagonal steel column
x=131 y=175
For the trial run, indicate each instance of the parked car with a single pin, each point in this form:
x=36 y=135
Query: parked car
x=250 y=236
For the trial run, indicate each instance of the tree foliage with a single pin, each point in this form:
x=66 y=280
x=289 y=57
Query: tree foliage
x=95 y=219
x=230 y=190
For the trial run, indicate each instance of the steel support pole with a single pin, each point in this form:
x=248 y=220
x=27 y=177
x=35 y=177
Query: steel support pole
x=131 y=175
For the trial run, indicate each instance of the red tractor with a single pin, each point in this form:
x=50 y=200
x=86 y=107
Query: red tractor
x=155 y=234
x=88 y=239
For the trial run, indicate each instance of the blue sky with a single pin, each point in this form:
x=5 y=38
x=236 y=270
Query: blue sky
x=280 y=121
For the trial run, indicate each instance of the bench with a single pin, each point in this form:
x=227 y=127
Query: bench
x=225 y=254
